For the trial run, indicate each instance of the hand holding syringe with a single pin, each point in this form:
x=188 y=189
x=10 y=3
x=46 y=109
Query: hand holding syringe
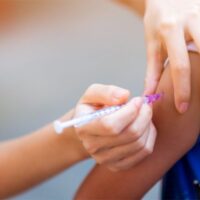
x=119 y=136
x=80 y=121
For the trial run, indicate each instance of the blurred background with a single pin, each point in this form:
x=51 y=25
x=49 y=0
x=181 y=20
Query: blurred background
x=49 y=54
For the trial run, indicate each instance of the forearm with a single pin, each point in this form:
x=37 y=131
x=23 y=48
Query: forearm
x=137 y=5
x=176 y=135
x=32 y=159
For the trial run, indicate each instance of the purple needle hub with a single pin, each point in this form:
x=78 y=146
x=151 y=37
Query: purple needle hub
x=152 y=98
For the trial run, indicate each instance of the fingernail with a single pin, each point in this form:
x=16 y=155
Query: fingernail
x=183 y=107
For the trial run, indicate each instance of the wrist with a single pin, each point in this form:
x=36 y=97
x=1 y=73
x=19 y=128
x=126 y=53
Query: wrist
x=72 y=140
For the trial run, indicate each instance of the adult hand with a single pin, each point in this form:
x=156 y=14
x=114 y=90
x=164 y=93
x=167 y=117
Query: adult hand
x=119 y=140
x=169 y=25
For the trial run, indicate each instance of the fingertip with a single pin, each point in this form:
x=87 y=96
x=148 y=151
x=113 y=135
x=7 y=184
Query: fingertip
x=183 y=107
x=121 y=96
x=182 y=102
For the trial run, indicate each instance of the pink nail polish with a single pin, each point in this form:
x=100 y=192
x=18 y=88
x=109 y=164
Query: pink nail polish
x=183 y=107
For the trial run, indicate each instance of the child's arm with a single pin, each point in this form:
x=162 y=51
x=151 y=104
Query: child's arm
x=176 y=135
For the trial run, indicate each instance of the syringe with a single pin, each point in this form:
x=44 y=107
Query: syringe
x=80 y=121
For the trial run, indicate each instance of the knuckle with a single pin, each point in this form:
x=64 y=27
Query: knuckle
x=115 y=130
x=98 y=160
x=109 y=126
x=80 y=133
x=92 y=149
x=127 y=163
x=141 y=144
x=167 y=24
x=106 y=124
x=90 y=146
x=113 y=169
x=132 y=111
x=103 y=159
x=79 y=130
x=177 y=67
x=181 y=67
x=148 y=150
x=119 y=167
x=195 y=12
x=135 y=132
x=122 y=166
x=137 y=135
x=131 y=137
x=128 y=167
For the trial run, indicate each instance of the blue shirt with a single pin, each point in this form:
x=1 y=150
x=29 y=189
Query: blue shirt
x=182 y=181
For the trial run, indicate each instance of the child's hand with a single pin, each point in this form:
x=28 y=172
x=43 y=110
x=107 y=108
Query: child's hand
x=119 y=140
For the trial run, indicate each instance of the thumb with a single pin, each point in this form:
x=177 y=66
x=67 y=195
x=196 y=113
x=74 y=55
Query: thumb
x=105 y=95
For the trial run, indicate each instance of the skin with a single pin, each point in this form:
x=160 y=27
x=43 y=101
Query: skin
x=176 y=135
x=44 y=154
x=180 y=70
x=169 y=25
x=41 y=155
x=122 y=139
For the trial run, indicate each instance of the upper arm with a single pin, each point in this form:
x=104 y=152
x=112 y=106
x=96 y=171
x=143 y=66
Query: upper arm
x=176 y=135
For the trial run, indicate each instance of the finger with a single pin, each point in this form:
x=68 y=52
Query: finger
x=151 y=138
x=115 y=123
x=133 y=160
x=105 y=95
x=96 y=143
x=142 y=121
x=83 y=109
x=129 y=162
x=180 y=68
x=115 y=154
x=194 y=30
x=154 y=65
